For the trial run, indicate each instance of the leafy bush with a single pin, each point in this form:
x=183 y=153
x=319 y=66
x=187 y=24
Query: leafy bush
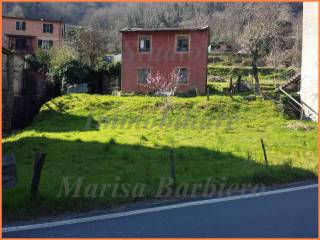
x=40 y=61
x=61 y=55
x=33 y=62
x=72 y=72
x=107 y=76
x=110 y=69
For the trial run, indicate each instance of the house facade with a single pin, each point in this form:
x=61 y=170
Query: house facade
x=148 y=51
x=27 y=35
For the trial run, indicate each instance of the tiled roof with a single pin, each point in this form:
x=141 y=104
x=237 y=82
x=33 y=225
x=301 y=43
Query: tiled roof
x=163 y=29
x=34 y=19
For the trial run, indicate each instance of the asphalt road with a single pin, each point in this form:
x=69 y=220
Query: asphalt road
x=286 y=214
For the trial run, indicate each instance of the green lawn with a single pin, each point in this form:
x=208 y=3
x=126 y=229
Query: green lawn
x=219 y=138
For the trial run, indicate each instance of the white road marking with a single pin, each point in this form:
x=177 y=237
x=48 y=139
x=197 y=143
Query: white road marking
x=154 y=209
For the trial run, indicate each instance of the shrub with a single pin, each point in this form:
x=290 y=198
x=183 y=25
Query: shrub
x=32 y=62
x=107 y=76
x=72 y=72
x=61 y=55
x=110 y=69
x=162 y=84
x=40 y=61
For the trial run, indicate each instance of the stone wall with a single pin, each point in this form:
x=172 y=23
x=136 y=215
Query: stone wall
x=7 y=90
x=23 y=92
x=19 y=66
x=309 y=69
x=36 y=89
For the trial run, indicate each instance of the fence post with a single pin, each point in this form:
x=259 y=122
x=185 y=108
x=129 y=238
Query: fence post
x=264 y=153
x=208 y=94
x=38 y=163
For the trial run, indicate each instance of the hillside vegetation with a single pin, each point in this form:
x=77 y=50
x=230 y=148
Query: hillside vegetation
x=99 y=138
x=227 y=21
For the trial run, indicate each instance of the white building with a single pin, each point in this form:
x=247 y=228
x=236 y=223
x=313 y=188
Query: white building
x=309 y=68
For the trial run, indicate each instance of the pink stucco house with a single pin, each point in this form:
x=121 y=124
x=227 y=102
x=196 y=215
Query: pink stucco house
x=27 y=35
x=164 y=50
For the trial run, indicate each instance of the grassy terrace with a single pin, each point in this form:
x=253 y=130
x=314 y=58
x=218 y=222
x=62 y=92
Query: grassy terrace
x=221 y=139
x=265 y=73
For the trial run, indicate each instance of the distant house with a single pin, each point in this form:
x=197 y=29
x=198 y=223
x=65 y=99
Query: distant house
x=183 y=50
x=113 y=58
x=25 y=35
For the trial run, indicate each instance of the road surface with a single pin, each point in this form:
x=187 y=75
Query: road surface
x=279 y=213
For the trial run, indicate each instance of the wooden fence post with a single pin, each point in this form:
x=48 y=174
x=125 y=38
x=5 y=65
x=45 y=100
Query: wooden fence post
x=38 y=163
x=264 y=153
x=230 y=87
x=208 y=94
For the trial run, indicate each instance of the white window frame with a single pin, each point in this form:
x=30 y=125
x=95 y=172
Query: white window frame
x=176 y=44
x=20 y=25
x=150 y=38
x=45 y=44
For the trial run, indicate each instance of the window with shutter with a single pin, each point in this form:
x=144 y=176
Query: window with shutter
x=20 y=26
x=47 y=28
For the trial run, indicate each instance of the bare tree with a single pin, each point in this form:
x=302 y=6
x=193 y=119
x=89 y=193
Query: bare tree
x=90 y=43
x=259 y=33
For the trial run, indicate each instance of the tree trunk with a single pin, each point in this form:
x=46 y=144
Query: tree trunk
x=255 y=74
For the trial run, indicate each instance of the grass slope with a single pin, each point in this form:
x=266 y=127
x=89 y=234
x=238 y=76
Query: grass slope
x=219 y=138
